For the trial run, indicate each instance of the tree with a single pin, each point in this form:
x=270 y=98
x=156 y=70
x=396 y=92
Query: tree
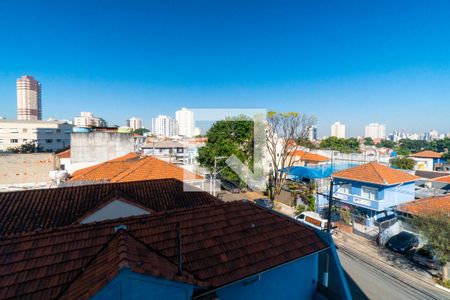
x=283 y=130
x=435 y=228
x=339 y=144
x=306 y=143
x=141 y=131
x=368 y=141
x=30 y=147
x=225 y=138
x=386 y=143
x=404 y=163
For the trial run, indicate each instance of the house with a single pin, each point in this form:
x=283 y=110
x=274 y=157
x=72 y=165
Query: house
x=372 y=190
x=133 y=167
x=172 y=151
x=37 y=210
x=426 y=206
x=428 y=160
x=303 y=158
x=231 y=250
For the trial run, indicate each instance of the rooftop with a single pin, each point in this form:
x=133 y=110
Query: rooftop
x=427 y=154
x=375 y=173
x=427 y=205
x=220 y=244
x=36 y=210
x=64 y=154
x=308 y=156
x=443 y=179
x=132 y=167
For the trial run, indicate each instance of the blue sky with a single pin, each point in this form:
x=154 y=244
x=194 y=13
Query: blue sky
x=351 y=61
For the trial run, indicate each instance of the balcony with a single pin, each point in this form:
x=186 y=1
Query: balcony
x=377 y=205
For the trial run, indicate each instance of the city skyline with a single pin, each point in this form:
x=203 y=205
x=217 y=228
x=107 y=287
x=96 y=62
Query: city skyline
x=378 y=70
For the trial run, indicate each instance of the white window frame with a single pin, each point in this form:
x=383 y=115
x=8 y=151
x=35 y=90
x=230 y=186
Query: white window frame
x=368 y=194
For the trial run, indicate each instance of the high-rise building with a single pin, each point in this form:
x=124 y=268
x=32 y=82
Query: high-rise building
x=87 y=119
x=312 y=133
x=164 y=126
x=29 y=102
x=186 y=122
x=338 y=130
x=134 y=123
x=375 y=131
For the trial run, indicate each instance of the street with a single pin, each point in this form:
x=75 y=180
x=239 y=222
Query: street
x=369 y=281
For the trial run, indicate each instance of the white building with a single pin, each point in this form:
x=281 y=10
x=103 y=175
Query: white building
x=375 y=131
x=134 y=123
x=87 y=119
x=338 y=130
x=48 y=135
x=312 y=133
x=29 y=102
x=164 y=126
x=185 y=121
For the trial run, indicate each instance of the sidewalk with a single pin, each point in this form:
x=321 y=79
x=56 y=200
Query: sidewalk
x=373 y=252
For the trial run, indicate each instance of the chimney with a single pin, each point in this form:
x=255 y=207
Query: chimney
x=179 y=259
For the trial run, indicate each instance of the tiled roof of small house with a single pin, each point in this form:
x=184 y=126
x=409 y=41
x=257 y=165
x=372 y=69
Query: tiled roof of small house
x=375 y=173
x=427 y=205
x=427 y=154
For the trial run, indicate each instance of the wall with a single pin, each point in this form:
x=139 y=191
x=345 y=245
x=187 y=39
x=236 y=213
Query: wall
x=27 y=168
x=100 y=146
x=132 y=286
x=114 y=210
x=296 y=280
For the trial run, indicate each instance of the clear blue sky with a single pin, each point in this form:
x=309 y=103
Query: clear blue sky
x=350 y=61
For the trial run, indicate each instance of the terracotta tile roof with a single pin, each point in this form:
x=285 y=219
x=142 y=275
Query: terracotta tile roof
x=308 y=156
x=123 y=251
x=375 y=173
x=427 y=205
x=443 y=179
x=25 y=211
x=132 y=167
x=64 y=154
x=220 y=244
x=427 y=154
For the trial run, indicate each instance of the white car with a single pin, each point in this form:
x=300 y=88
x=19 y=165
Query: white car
x=312 y=219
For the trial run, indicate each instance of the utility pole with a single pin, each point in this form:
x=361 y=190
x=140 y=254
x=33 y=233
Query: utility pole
x=330 y=205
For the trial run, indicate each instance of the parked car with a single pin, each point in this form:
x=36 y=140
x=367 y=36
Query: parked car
x=426 y=256
x=264 y=202
x=312 y=219
x=230 y=186
x=403 y=242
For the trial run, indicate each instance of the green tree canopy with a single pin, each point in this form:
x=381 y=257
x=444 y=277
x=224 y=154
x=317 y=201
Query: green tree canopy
x=141 y=131
x=368 y=141
x=339 y=144
x=29 y=147
x=404 y=163
x=225 y=138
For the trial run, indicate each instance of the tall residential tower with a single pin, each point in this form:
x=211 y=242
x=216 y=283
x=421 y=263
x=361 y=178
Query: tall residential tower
x=338 y=130
x=186 y=122
x=29 y=102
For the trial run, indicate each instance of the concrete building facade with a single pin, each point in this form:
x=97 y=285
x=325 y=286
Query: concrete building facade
x=135 y=123
x=338 y=130
x=186 y=122
x=50 y=136
x=164 y=126
x=375 y=131
x=29 y=101
x=87 y=119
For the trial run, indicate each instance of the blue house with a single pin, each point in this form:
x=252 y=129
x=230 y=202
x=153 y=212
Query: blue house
x=372 y=190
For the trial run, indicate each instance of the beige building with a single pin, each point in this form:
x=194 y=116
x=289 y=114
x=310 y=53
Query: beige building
x=135 y=123
x=87 y=119
x=49 y=135
x=338 y=130
x=29 y=102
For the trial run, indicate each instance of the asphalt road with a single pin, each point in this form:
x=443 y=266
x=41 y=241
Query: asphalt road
x=369 y=282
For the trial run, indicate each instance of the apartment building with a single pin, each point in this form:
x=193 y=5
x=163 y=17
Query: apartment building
x=50 y=136
x=29 y=102
x=87 y=119
x=164 y=126
x=338 y=130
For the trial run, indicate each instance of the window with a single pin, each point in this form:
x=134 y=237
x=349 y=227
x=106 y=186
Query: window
x=49 y=141
x=25 y=130
x=14 y=130
x=58 y=130
x=58 y=140
x=67 y=131
x=25 y=140
x=13 y=141
x=369 y=193
x=48 y=130
x=346 y=188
